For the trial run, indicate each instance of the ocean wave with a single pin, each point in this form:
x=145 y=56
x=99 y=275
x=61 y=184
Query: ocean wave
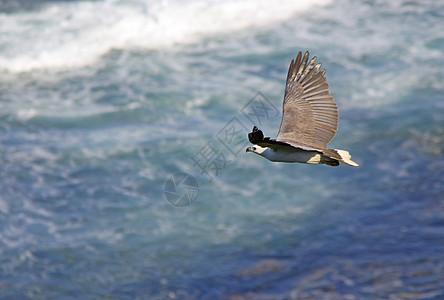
x=76 y=34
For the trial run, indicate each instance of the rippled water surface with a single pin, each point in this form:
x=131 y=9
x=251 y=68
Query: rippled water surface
x=103 y=103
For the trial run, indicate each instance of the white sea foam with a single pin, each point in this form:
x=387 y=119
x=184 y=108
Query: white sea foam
x=77 y=34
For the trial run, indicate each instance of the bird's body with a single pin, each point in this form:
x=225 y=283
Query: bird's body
x=282 y=153
x=309 y=121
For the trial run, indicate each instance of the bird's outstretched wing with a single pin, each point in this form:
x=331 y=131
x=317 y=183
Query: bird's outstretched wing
x=310 y=115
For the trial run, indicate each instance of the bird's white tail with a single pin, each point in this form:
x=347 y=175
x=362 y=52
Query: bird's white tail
x=346 y=158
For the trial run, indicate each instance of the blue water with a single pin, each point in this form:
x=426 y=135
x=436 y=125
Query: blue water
x=101 y=102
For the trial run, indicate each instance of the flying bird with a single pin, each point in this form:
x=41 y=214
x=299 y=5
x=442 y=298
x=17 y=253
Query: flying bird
x=309 y=121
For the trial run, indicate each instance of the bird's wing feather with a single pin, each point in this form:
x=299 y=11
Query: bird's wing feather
x=310 y=115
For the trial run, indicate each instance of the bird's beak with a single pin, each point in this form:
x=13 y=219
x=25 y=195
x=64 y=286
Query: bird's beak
x=249 y=149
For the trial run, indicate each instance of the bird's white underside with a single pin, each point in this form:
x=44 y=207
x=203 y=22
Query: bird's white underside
x=291 y=155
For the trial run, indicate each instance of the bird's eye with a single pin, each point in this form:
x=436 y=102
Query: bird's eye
x=254 y=148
